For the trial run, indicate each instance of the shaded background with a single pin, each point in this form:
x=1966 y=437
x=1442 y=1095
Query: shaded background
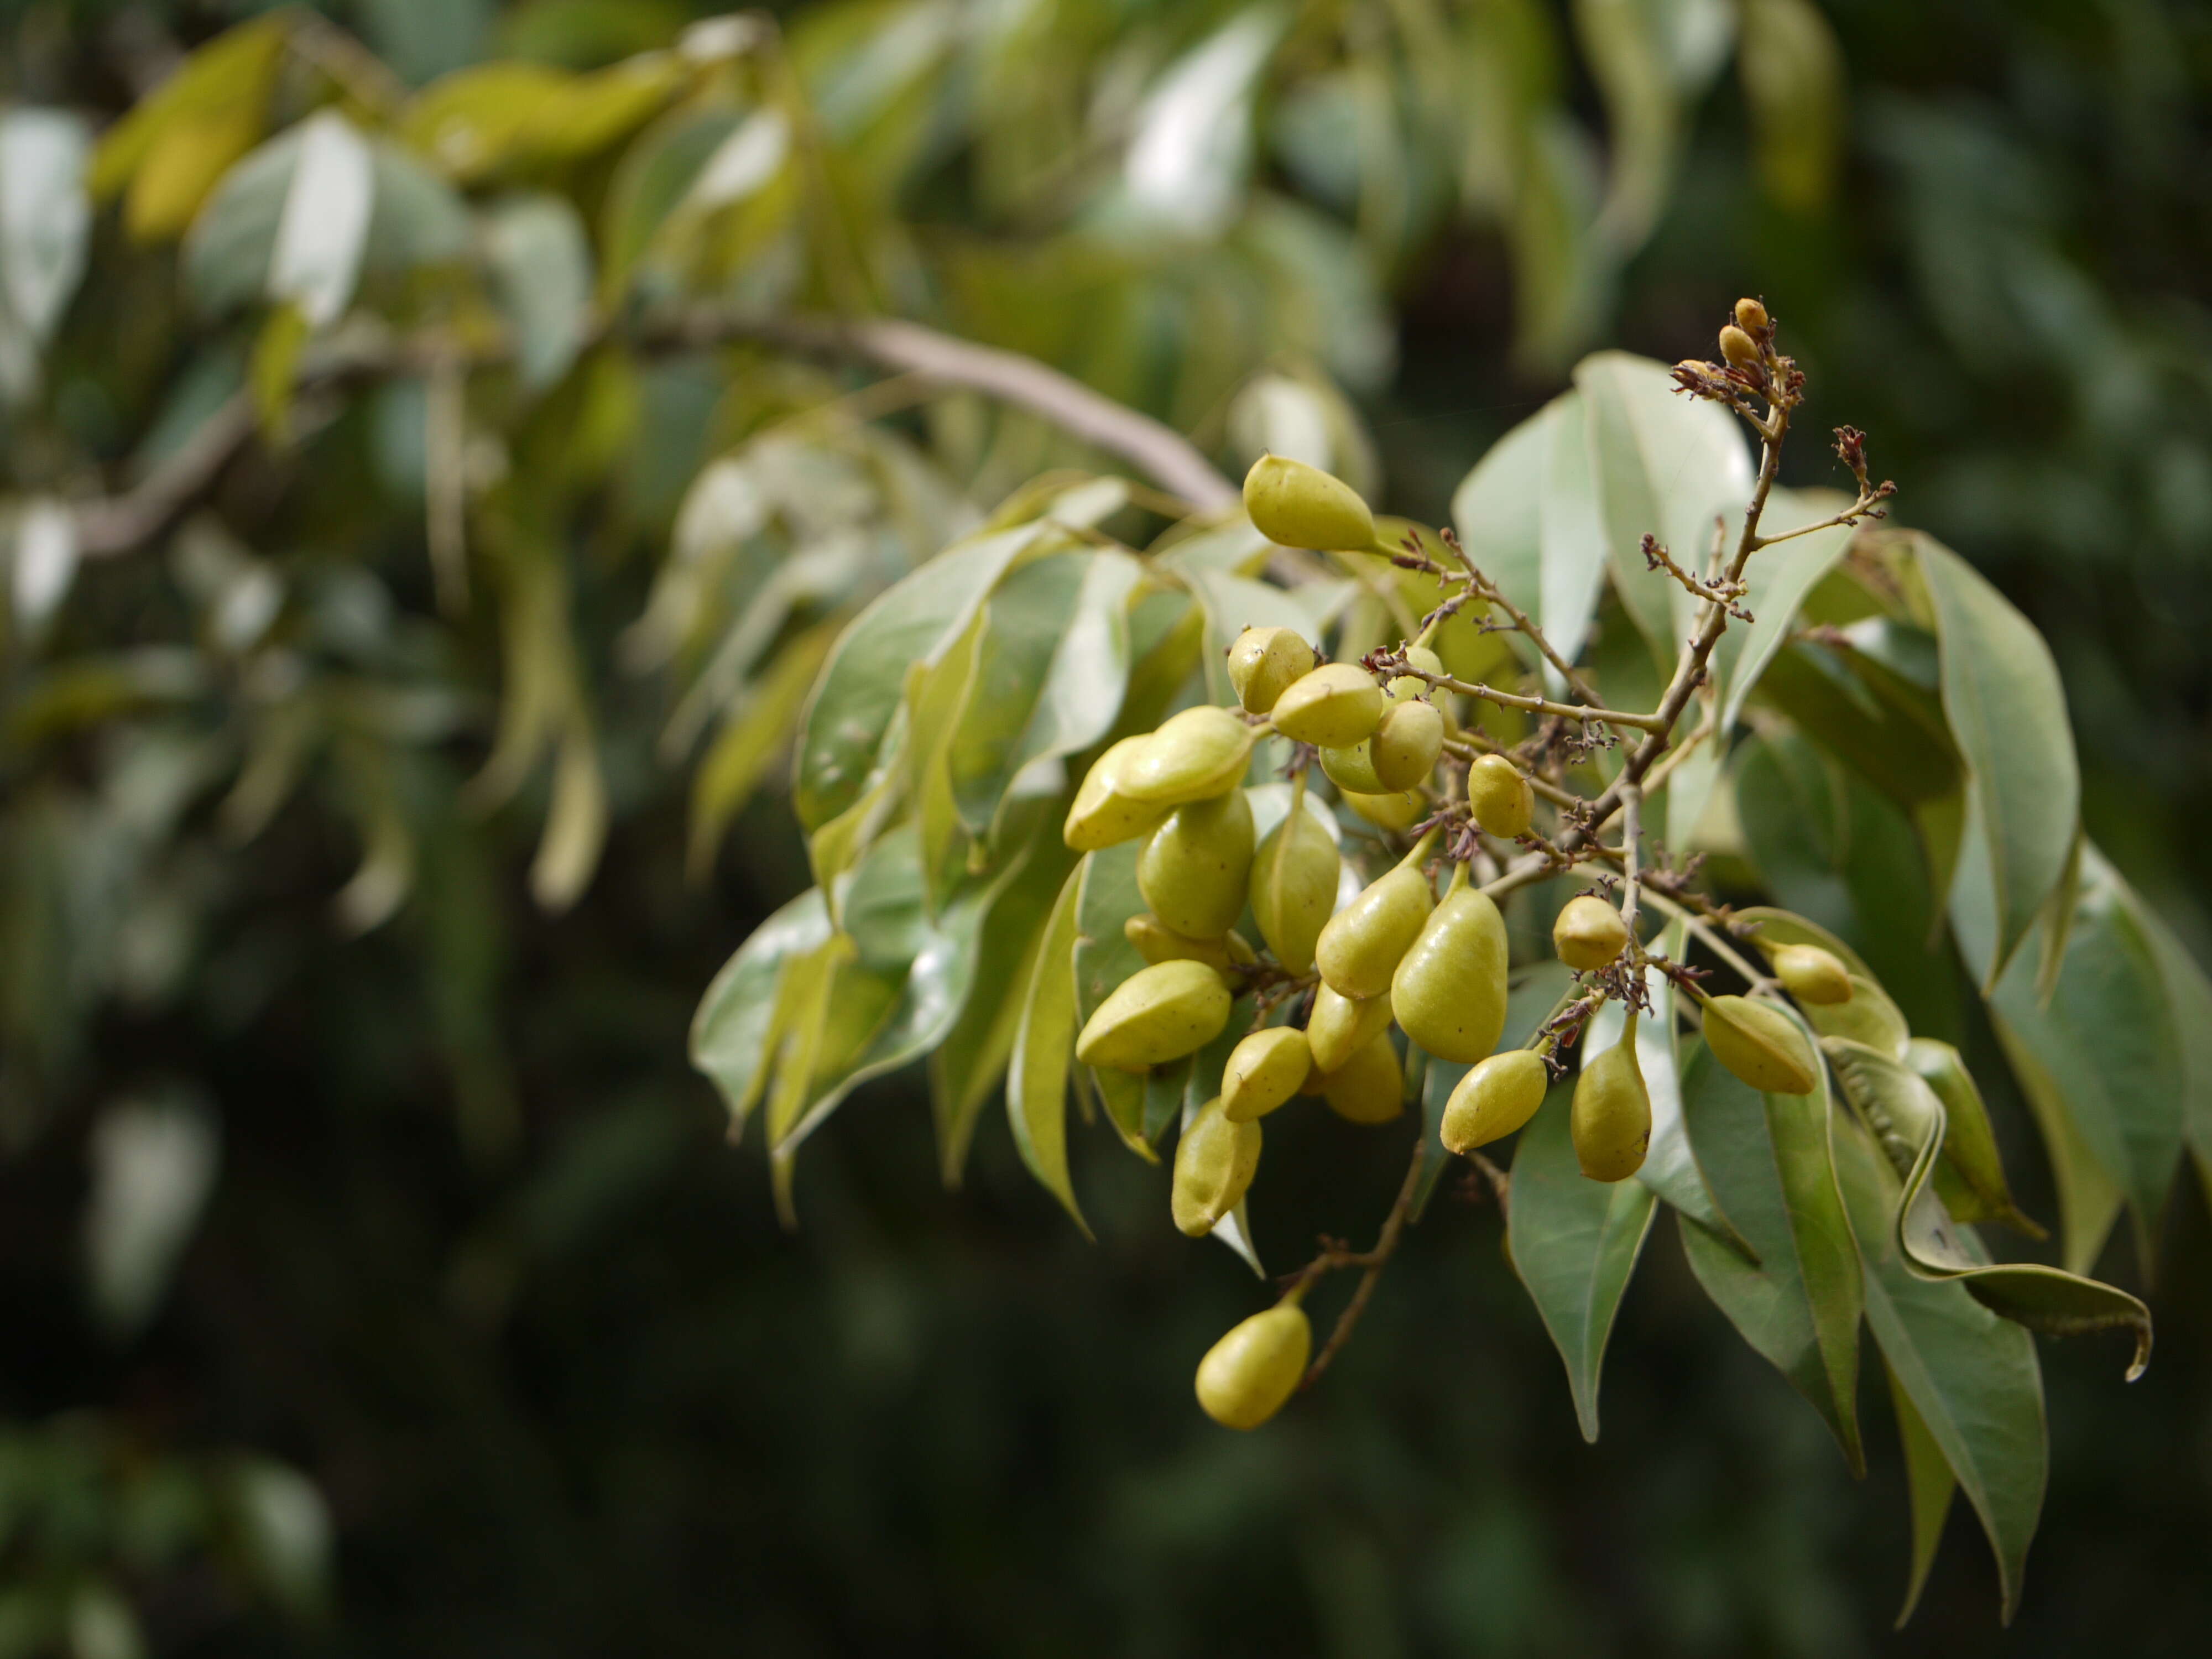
x=579 y=1396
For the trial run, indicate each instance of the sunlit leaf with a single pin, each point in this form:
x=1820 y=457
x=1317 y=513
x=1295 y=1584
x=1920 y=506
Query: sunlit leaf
x=1044 y=1050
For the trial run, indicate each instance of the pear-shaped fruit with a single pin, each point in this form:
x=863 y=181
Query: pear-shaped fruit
x=1102 y=815
x=1302 y=506
x=1293 y=887
x=1404 y=747
x=1339 y=1028
x=1812 y=975
x=1449 y=991
x=1504 y=803
x=1399 y=811
x=1194 y=755
x=1157 y=942
x=1351 y=768
x=1214 y=1164
x=1611 y=1121
x=1761 y=1045
x=1337 y=705
x=1194 y=870
x=1369 y=1087
x=1264 y=663
x=1589 y=934
x=1496 y=1098
x=1158 y=1014
x=1264 y=1070
x=1247 y=1376
x=1359 y=949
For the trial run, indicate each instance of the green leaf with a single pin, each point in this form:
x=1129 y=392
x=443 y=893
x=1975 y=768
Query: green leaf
x=863 y=683
x=540 y=262
x=2189 y=993
x=1798 y=1304
x=1528 y=516
x=730 y=1040
x=1971 y=1375
x=1779 y=578
x=1574 y=1243
x=1667 y=466
x=2008 y=713
x=1830 y=690
x=1045 y=1049
x=1929 y=1480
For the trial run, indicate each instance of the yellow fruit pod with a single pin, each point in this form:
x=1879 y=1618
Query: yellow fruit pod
x=1496 y=1098
x=1194 y=755
x=1194 y=870
x=1611 y=1120
x=1505 y=804
x=1339 y=1028
x=1449 y=991
x=1335 y=706
x=1246 y=1378
x=1293 y=887
x=1101 y=815
x=1359 y=949
x=1399 y=811
x=1264 y=663
x=1369 y=1087
x=1157 y=942
x=1812 y=975
x=1263 y=1071
x=1300 y=506
x=1158 y=1014
x=1214 y=1164
x=1351 y=770
x=1403 y=750
x=1761 y=1045
x=1589 y=934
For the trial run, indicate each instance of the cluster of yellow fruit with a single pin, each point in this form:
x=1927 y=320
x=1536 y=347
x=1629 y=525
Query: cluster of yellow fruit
x=1396 y=955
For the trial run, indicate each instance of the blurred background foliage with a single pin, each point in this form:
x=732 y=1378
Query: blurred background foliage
x=375 y=809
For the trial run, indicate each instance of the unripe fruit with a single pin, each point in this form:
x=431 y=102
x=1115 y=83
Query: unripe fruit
x=1157 y=942
x=1589 y=934
x=1739 y=347
x=1194 y=755
x=1214 y=1164
x=1611 y=1121
x=1404 y=747
x=1302 y=506
x=1750 y=316
x=1359 y=949
x=1369 y=1087
x=1264 y=1070
x=1158 y=1014
x=1351 y=768
x=1761 y=1045
x=1264 y=663
x=1505 y=804
x=1194 y=870
x=1339 y=1028
x=1102 y=815
x=1247 y=1376
x=1337 y=705
x=1448 y=992
x=1399 y=811
x=1494 y=1099
x=1812 y=975
x=1294 y=887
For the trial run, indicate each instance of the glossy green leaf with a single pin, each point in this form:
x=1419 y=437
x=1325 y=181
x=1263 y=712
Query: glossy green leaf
x=2190 y=993
x=1970 y=1374
x=1766 y=1156
x=1779 y=577
x=1044 y=1051
x=1929 y=1483
x=730 y=1034
x=1574 y=1243
x=1818 y=685
x=2007 y=712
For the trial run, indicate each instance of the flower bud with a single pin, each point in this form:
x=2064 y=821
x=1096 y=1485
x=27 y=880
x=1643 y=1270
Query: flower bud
x=1300 y=506
x=1339 y=1028
x=1246 y=1378
x=1358 y=949
x=1751 y=317
x=1448 y=990
x=1214 y=1164
x=1264 y=663
x=1195 y=756
x=1264 y=1070
x=1102 y=815
x=1589 y=934
x=1504 y=803
x=1496 y=1098
x=1194 y=870
x=1158 y=1014
x=1739 y=347
x=1337 y=705
x=1761 y=1045
x=1812 y=975
x=1611 y=1119
x=1293 y=887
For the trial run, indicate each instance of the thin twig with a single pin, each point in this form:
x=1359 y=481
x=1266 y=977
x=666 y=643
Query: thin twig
x=1572 y=711
x=1374 y=1261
